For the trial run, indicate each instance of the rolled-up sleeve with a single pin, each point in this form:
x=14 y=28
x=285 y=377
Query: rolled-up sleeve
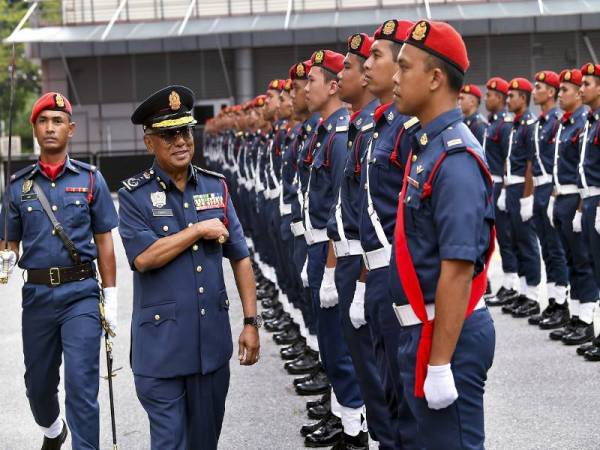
x=102 y=210
x=235 y=248
x=11 y=207
x=135 y=231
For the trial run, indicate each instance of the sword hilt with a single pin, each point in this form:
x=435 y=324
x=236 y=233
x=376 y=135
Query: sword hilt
x=4 y=271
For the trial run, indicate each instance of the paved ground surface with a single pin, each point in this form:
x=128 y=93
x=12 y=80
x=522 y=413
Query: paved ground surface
x=540 y=395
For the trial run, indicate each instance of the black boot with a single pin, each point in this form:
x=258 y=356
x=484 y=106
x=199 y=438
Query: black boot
x=318 y=384
x=502 y=297
x=294 y=350
x=311 y=428
x=528 y=308
x=557 y=335
x=358 y=442
x=582 y=333
x=323 y=400
x=516 y=303
x=546 y=313
x=305 y=363
x=593 y=354
x=57 y=442
x=558 y=319
x=288 y=336
x=327 y=435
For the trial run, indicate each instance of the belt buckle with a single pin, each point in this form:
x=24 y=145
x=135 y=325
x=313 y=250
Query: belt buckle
x=54 y=276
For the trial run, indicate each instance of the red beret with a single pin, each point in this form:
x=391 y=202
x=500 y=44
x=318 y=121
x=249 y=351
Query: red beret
x=590 y=69
x=299 y=71
x=549 y=77
x=360 y=44
x=471 y=89
x=52 y=101
x=277 y=85
x=393 y=30
x=497 y=84
x=520 y=84
x=571 y=76
x=440 y=40
x=328 y=60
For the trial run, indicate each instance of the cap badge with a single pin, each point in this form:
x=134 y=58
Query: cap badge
x=159 y=199
x=568 y=76
x=420 y=31
x=60 y=101
x=274 y=84
x=423 y=140
x=515 y=84
x=590 y=69
x=300 y=70
x=493 y=85
x=174 y=101
x=319 y=57
x=288 y=85
x=389 y=27
x=356 y=42
x=261 y=102
x=541 y=76
x=467 y=89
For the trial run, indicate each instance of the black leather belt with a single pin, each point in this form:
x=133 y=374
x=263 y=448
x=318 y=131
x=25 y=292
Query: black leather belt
x=55 y=276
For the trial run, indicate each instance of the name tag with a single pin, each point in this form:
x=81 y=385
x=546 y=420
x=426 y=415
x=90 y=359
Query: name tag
x=29 y=196
x=413 y=183
x=162 y=212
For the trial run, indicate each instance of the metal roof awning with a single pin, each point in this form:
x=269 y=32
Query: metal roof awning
x=460 y=11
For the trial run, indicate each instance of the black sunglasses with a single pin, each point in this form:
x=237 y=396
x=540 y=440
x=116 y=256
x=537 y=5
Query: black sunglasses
x=171 y=136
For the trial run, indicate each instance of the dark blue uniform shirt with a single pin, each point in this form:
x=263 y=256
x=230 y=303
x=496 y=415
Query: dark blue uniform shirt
x=477 y=125
x=547 y=125
x=591 y=163
x=290 y=165
x=568 y=145
x=522 y=150
x=496 y=141
x=180 y=322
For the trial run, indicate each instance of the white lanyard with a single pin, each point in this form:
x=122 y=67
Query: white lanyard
x=510 y=144
x=556 y=147
x=582 y=156
x=370 y=207
x=536 y=140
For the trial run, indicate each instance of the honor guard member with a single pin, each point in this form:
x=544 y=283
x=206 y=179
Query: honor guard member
x=518 y=182
x=545 y=94
x=62 y=213
x=567 y=211
x=342 y=228
x=495 y=146
x=469 y=101
x=443 y=242
x=589 y=181
x=326 y=172
x=177 y=222
x=381 y=181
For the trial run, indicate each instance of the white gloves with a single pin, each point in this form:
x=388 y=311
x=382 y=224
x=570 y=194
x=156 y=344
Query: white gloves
x=328 y=292
x=502 y=200
x=577 y=222
x=597 y=221
x=110 y=307
x=8 y=261
x=357 y=307
x=440 y=390
x=526 y=208
x=550 y=210
x=304 y=274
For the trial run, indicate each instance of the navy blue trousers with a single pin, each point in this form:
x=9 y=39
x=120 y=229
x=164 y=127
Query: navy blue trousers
x=590 y=235
x=335 y=355
x=528 y=251
x=579 y=261
x=552 y=249
x=385 y=332
x=185 y=413
x=55 y=327
x=307 y=309
x=508 y=251
x=360 y=345
x=460 y=426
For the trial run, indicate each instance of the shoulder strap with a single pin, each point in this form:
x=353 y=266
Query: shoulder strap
x=67 y=242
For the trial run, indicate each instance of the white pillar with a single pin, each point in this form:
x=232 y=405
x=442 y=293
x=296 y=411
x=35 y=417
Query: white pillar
x=244 y=76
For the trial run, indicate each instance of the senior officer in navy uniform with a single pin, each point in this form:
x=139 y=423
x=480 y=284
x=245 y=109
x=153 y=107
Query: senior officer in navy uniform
x=61 y=317
x=177 y=222
x=443 y=241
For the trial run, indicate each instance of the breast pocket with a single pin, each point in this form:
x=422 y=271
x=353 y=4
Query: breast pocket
x=156 y=315
x=379 y=173
x=211 y=246
x=32 y=217
x=414 y=212
x=76 y=212
x=164 y=226
x=319 y=175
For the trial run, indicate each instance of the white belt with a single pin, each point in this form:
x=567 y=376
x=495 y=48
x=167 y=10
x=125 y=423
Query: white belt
x=591 y=191
x=407 y=317
x=542 y=179
x=248 y=185
x=285 y=209
x=268 y=194
x=513 y=179
x=314 y=236
x=376 y=259
x=347 y=248
x=297 y=229
x=260 y=187
x=497 y=179
x=566 y=189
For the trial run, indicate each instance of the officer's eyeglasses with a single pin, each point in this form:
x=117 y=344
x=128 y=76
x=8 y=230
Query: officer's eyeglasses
x=171 y=136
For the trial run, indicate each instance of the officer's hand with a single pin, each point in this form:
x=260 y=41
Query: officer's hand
x=304 y=274
x=502 y=200
x=8 y=260
x=550 y=210
x=577 y=222
x=111 y=307
x=357 y=307
x=440 y=390
x=328 y=295
x=597 y=221
x=249 y=346
x=212 y=229
x=526 y=208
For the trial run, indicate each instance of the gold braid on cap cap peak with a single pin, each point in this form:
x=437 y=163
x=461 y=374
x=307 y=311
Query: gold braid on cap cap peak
x=186 y=120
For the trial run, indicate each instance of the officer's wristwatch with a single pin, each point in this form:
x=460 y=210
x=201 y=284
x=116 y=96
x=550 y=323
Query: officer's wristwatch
x=255 y=321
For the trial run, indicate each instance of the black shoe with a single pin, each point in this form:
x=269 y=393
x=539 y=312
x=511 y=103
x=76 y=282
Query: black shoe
x=273 y=313
x=270 y=303
x=294 y=350
x=311 y=428
x=582 y=333
x=514 y=304
x=319 y=411
x=326 y=399
x=287 y=337
x=280 y=324
x=593 y=354
x=502 y=297
x=317 y=385
x=358 y=442
x=527 y=309
x=546 y=313
x=557 y=335
x=308 y=362
x=488 y=290
x=57 y=442
x=558 y=319
x=327 y=435
x=582 y=349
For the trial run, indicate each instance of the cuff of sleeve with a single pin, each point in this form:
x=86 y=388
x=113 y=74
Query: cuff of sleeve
x=142 y=242
x=460 y=252
x=236 y=250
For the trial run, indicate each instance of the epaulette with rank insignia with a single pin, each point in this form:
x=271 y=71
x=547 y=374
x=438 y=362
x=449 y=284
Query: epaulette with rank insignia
x=453 y=140
x=20 y=173
x=531 y=121
x=131 y=184
x=508 y=118
x=411 y=123
x=85 y=166
x=210 y=172
x=342 y=124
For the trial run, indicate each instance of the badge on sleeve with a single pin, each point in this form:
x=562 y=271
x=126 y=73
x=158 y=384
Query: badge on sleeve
x=159 y=199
